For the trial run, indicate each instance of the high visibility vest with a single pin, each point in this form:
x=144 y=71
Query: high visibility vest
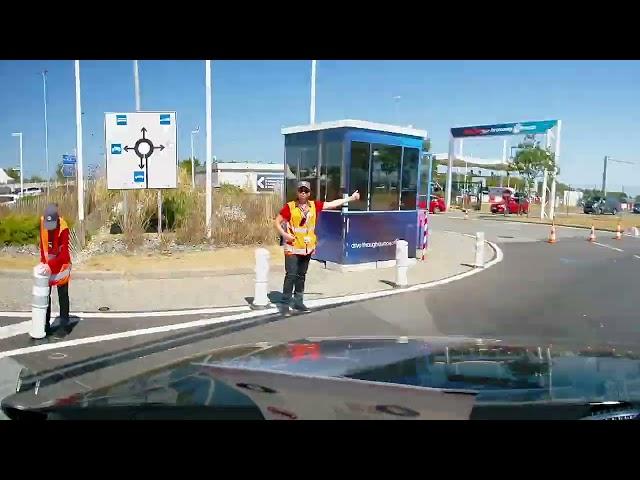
x=63 y=274
x=302 y=229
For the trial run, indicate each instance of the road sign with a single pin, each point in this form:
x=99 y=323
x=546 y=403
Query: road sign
x=269 y=183
x=69 y=159
x=68 y=170
x=142 y=150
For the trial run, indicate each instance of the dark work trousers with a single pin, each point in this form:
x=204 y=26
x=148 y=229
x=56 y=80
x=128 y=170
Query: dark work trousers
x=63 y=300
x=295 y=267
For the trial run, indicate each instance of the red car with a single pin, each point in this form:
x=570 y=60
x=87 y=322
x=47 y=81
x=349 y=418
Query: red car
x=436 y=204
x=517 y=204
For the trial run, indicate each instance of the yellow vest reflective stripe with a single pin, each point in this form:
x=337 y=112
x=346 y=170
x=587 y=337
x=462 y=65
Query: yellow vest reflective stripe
x=305 y=237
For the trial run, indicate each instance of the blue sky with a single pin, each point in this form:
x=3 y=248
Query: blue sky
x=596 y=100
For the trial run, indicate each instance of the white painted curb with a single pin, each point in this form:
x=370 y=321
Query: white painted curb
x=334 y=301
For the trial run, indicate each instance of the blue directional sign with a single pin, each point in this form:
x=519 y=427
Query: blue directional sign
x=165 y=119
x=121 y=119
x=138 y=176
x=116 y=148
x=68 y=159
x=68 y=170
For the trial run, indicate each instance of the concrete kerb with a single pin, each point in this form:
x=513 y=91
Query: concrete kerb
x=325 y=302
x=549 y=224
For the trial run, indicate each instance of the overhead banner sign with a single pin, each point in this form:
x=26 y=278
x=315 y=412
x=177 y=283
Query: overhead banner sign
x=142 y=150
x=502 y=129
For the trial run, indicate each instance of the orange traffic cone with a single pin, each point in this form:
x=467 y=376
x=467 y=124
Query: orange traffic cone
x=552 y=234
x=592 y=235
x=618 y=234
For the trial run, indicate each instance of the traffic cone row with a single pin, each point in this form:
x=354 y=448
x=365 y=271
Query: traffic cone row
x=618 y=234
x=592 y=235
x=552 y=234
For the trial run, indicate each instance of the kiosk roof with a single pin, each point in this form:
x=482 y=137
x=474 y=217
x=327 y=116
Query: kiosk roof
x=361 y=124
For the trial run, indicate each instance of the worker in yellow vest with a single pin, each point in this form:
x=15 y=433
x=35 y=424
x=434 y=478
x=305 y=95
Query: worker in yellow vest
x=296 y=224
x=55 y=260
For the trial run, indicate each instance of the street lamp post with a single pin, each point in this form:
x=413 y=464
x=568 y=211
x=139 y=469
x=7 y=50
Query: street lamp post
x=209 y=206
x=19 y=135
x=193 y=169
x=80 y=169
x=312 y=107
x=46 y=129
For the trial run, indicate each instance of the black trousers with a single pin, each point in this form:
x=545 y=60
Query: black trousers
x=295 y=267
x=63 y=300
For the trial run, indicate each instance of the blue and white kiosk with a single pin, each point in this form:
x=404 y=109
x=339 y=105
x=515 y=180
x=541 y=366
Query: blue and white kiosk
x=385 y=163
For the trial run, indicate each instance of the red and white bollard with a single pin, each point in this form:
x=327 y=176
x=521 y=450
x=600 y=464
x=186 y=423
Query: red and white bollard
x=425 y=233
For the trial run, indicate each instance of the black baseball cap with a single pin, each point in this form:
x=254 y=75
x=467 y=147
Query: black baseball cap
x=51 y=217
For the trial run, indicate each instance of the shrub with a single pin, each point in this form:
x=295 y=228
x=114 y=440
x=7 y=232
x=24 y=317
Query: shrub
x=18 y=229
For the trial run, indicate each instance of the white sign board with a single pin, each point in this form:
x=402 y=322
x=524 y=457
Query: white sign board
x=142 y=150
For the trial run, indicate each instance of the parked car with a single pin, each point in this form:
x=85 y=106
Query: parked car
x=437 y=204
x=517 y=204
x=600 y=206
x=636 y=207
x=8 y=200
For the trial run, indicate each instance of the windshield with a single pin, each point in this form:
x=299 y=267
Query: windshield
x=173 y=245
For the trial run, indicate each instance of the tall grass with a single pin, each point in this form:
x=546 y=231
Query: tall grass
x=238 y=217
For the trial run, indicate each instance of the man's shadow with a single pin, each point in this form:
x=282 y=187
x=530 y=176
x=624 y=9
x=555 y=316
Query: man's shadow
x=68 y=328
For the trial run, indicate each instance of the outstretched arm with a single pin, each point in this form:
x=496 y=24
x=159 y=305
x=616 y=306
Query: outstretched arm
x=341 y=201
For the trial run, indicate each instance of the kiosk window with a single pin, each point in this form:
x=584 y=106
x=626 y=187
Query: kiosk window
x=385 y=176
x=359 y=174
x=330 y=183
x=410 y=158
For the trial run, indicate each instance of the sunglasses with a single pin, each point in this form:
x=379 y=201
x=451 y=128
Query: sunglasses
x=304 y=190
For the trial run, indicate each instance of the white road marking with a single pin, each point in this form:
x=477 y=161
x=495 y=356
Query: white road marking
x=637 y=256
x=608 y=246
x=168 y=313
x=253 y=314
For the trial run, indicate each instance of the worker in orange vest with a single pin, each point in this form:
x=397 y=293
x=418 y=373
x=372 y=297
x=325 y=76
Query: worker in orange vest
x=299 y=217
x=55 y=260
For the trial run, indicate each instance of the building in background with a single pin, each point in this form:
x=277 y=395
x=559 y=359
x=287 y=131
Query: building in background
x=252 y=177
x=4 y=178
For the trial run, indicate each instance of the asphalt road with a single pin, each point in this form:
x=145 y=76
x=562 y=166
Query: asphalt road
x=572 y=291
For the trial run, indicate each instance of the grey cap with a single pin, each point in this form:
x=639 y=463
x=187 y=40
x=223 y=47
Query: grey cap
x=304 y=184
x=51 y=217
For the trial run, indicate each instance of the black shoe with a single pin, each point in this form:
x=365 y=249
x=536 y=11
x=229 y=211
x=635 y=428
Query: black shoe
x=301 y=307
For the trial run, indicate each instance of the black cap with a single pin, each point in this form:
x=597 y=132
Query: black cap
x=51 y=217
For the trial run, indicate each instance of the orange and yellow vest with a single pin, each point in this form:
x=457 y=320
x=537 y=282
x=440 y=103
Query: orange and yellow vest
x=302 y=229
x=61 y=277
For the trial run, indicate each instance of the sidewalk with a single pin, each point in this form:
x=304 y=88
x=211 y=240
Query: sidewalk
x=179 y=283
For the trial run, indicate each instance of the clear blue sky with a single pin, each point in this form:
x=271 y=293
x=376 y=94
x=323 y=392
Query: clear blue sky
x=597 y=101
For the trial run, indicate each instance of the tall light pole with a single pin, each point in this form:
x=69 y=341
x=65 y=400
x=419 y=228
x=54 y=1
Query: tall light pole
x=46 y=128
x=80 y=174
x=209 y=145
x=136 y=84
x=312 y=107
x=19 y=135
x=193 y=168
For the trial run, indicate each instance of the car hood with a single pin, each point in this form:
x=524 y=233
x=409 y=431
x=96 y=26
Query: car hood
x=495 y=372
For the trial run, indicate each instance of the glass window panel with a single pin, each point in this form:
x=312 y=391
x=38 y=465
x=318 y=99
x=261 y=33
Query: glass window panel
x=330 y=188
x=385 y=176
x=359 y=174
x=410 y=157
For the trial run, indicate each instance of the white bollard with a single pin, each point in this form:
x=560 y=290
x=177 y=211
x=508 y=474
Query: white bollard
x=402 y=263
x=479 y=263
x=39 y=304
x=260 y=297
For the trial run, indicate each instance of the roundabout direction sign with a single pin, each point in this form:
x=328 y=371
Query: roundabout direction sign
x=142 y=150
